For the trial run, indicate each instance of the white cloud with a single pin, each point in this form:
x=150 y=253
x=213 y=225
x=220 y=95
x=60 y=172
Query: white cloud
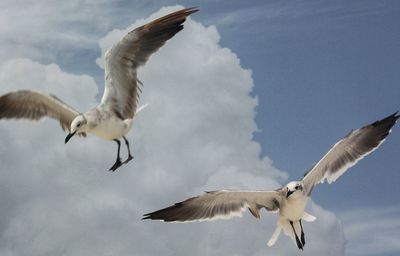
x=46 y=29
x=372 y=231
x=22 y=73
x=195 y=135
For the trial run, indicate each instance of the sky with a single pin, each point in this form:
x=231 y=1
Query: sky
x=248 y=96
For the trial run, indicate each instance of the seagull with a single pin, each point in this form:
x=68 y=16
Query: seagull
x=113 y=117
x=290 y=200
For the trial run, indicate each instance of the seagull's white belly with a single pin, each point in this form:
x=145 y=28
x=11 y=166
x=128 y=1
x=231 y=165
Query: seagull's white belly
x=293 y=208
x=113 y=128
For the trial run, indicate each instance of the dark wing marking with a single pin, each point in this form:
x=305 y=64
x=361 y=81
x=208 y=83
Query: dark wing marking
x=223 y=204
x=348 y=151
x=34 y=106
x=121 y=92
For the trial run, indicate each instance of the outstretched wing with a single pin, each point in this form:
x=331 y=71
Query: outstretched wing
x=121 y=61
x=223 y=204
x=348 y=151
x=34 y=105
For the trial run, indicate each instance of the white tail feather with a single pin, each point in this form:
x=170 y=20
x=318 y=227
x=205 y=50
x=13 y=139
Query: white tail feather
x=275 y=235
x=308 y=217
x=288 y=230
x=284 y=224
x=141 y=108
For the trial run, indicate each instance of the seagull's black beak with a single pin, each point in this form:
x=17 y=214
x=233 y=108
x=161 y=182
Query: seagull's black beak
x=69 y=136
x=289 y=193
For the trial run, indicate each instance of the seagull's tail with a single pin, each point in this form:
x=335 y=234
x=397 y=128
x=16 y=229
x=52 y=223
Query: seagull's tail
x=141 y=108
x=308 y=217
x=275 y=235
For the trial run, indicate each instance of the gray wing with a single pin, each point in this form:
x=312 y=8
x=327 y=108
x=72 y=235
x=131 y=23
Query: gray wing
x=121 y=92
x=34 y=105
x=223 y=204
x=348 y=151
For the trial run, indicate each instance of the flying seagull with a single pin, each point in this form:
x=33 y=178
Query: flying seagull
x=112 y=118
x=290 y=201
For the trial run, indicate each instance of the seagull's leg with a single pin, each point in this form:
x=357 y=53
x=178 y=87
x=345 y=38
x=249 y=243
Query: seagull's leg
x=299 y=245
x=130 y=157
x=118 y=162
x=303 y=241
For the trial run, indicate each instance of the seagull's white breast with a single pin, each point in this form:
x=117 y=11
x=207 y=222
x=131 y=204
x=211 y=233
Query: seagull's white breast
x=293 y=208
x=112 y=128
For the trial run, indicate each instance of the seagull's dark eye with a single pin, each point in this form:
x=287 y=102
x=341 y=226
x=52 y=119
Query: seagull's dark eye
x=79 y=124
x=297 y=187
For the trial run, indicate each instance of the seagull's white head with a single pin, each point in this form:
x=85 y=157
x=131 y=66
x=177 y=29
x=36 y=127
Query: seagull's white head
x=294 y=189
x=78 y=125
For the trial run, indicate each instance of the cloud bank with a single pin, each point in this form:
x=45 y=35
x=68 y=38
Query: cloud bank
x=372 y=231
x=195 y=135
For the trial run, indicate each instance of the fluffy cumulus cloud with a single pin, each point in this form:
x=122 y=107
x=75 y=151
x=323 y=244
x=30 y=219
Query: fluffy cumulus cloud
x=372 y=231
x=195 y=135
x=35 y=29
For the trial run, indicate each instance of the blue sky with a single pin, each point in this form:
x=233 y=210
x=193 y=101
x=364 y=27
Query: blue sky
x=320 y=71
x=317 y=69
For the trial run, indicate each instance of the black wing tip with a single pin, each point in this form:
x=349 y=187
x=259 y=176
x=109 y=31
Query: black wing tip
x=389 y=120
x=165 y=214
x=12 y=106
x=182 y=14
x=146 y=216
x=170 y=24
x=192 y=9
x=395 y=115
x=151 y=216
